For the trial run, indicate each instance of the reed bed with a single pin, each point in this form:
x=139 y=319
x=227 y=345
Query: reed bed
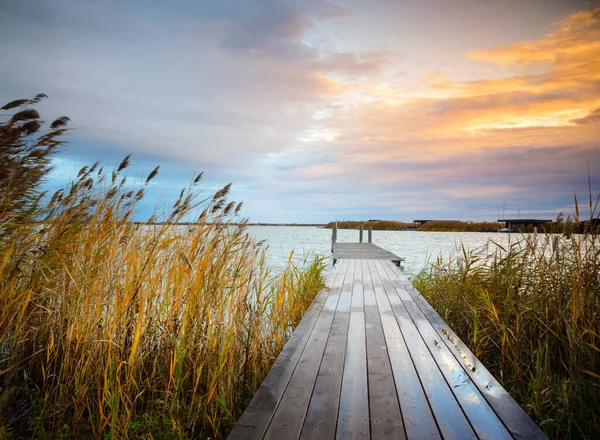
x=430 y=226
x=114 y=330
x=377 y=225
x=530 y=312
x=458 y=226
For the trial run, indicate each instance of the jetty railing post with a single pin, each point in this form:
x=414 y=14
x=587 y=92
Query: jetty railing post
x=360 y=233
x=333 y=235
x=370 y=233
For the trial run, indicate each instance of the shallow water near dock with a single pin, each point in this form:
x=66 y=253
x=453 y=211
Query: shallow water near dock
x=417 y=248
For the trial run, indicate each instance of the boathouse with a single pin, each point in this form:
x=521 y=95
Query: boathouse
x=521 y=223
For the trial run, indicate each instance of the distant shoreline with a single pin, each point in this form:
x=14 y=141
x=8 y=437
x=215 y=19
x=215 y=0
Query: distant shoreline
x=558 y=226
x=429 y=226
x=233 y=224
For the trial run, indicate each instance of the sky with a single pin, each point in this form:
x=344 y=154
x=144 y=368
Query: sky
x=321 y=110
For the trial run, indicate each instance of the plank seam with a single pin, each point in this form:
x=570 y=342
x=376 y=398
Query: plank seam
x=296 y=365
x=450 y=349
x=409 y=352
x=362 y=277
x=339 y=397
x=390 y=273
x=387 y=352
x=418 y=299
x=324 y=349
x=233 y=434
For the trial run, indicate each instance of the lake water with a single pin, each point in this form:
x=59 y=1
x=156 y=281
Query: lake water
x=417 y=248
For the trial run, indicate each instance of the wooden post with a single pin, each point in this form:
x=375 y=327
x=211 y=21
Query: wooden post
x=360 y=233
x=370 y=233
x=333 y=235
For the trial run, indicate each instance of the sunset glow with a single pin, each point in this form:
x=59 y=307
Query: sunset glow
x=319 y=109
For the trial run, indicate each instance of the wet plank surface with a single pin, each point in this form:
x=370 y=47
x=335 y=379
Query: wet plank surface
x=372 y=360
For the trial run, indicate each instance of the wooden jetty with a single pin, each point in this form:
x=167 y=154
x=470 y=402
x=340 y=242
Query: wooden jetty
x=360 y=250
x=371 y=359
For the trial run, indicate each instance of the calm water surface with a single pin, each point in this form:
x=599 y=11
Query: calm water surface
x=418 y=248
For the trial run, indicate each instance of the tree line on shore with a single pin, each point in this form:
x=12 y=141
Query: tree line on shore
x=561 y=225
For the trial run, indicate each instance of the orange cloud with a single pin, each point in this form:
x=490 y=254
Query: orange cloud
x=555 y=106
x=575 y=41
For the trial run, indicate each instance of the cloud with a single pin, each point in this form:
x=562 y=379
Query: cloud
x=448 y=117
x=592 y=118
x=282 y=98
x=574 y=39
x=270 y=26
x=527 y=139
x=167 y=86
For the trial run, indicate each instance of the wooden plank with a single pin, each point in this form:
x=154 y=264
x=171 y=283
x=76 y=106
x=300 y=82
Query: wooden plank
x=518 y=423
x=480 y=415
x=419 y=422
x=384 y=408
x=321 y=417
x=353 y=416
x=289 y=416
x=450 y=419
x=256 y=418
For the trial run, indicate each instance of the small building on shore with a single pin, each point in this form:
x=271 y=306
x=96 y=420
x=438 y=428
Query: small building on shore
x=590 y=226
x=522 y=223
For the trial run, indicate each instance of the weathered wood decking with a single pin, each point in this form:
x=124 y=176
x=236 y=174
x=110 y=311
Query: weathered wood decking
x=360 y=250
x=372 y=359
x=363 y=251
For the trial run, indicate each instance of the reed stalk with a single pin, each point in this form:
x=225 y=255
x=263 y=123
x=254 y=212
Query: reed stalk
x=530 y=312
x=113 y=330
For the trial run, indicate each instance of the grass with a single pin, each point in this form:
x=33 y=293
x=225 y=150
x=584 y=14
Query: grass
x=530 y=312
x=112 y=330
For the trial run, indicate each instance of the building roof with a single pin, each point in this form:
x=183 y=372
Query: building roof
x=523 y=220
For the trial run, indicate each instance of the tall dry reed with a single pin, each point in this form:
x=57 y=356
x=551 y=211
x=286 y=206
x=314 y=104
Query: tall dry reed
x=531 y=313
x=114 y=330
